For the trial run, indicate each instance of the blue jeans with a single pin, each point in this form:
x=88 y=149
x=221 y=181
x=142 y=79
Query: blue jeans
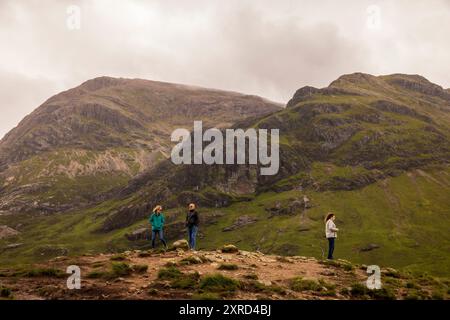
x=330 y=247
x=161 y=237
x=192 y=234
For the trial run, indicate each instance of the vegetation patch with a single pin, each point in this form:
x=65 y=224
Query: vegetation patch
x=121 y=269
x=187 y=281
x=299 y=284
x=218 y=283
x=118 y=257
x=251 y=276
x=206 y=296
x=5 y=292
x=140 y=268
x=256 y=286
x=228 y=266
x=169 y=273
x=42 y=272
x=359 y=290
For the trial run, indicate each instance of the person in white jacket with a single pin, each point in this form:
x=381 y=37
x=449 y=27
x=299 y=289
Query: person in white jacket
x=330 y=233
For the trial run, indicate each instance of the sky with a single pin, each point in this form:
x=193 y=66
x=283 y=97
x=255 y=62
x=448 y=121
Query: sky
x=263 y=47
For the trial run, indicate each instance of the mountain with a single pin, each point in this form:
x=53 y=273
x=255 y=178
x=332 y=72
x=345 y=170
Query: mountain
x=373 y=149
x=97 y=136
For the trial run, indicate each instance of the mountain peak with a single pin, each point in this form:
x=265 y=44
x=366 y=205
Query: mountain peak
x=356 y=77
x=101 y=82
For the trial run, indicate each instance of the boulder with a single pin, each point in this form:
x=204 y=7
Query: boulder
x=241 y=222
x=13 y=245
x=139 y=234
x=181 y=244
x=229 y=248
x=369 y=247
x=7 y=232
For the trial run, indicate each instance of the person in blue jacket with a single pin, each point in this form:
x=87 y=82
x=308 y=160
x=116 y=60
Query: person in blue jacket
x=157 y=221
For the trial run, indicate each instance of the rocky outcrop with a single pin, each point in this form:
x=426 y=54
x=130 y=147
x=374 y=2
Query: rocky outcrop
x=240 y=222
x=389 y=106
x=369 y=247
x=280 y=209
x=7 y=232
x=181 y=244
x=139 y=234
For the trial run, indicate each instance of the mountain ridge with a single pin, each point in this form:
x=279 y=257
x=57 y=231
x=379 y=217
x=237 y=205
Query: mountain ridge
x=375 y=151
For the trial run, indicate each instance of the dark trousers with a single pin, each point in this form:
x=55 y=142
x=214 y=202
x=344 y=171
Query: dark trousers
x=330 y=247
x=161 y=237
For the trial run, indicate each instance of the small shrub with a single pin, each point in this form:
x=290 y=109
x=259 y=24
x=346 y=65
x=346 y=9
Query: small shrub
x=412 y=285
x=170 y=264
x=382 y=294
x=299 y=284
x=140 y=268
x=338 y=264
x=344 y=291
x=152 y=291
x=358 y=289
x=96 y=274
x=98 y=264
x=169 y=273
x=144 y=254
x=187 y=281
x=118 y=257
x=5 y=292
x=228 y=266
x=347 y=267
x=120 y=269
x=412 y=296
x=437 y=295
x=206 y=296
x=392 y=273
x=327 y=285
x=218 y=283
x=43 y=272
x=328 y=293
x=256 y=286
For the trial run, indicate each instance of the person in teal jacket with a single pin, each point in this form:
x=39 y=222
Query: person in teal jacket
x=157 y=221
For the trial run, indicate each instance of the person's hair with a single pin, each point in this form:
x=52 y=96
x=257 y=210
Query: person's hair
x=191 y=206
x=329 y=216
x=157 y=208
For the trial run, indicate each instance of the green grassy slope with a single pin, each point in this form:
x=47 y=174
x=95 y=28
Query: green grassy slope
x=375 y=150
x=407 y=216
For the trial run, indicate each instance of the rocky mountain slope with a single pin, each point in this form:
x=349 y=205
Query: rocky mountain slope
x=361 y=129
x=227 y=273
x=374 y=150
x=97 y=136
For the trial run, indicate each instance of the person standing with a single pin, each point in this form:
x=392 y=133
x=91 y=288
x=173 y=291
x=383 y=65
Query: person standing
x=330 y=233
x=192 y=222
x=157 y=221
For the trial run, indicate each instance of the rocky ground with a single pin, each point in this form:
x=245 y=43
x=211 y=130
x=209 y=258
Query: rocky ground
x=226 y=273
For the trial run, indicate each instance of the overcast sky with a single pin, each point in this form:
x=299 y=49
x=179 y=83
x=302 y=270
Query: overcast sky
x=268 y=48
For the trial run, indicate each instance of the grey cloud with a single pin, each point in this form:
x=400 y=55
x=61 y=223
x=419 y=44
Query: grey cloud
x=269 y=48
